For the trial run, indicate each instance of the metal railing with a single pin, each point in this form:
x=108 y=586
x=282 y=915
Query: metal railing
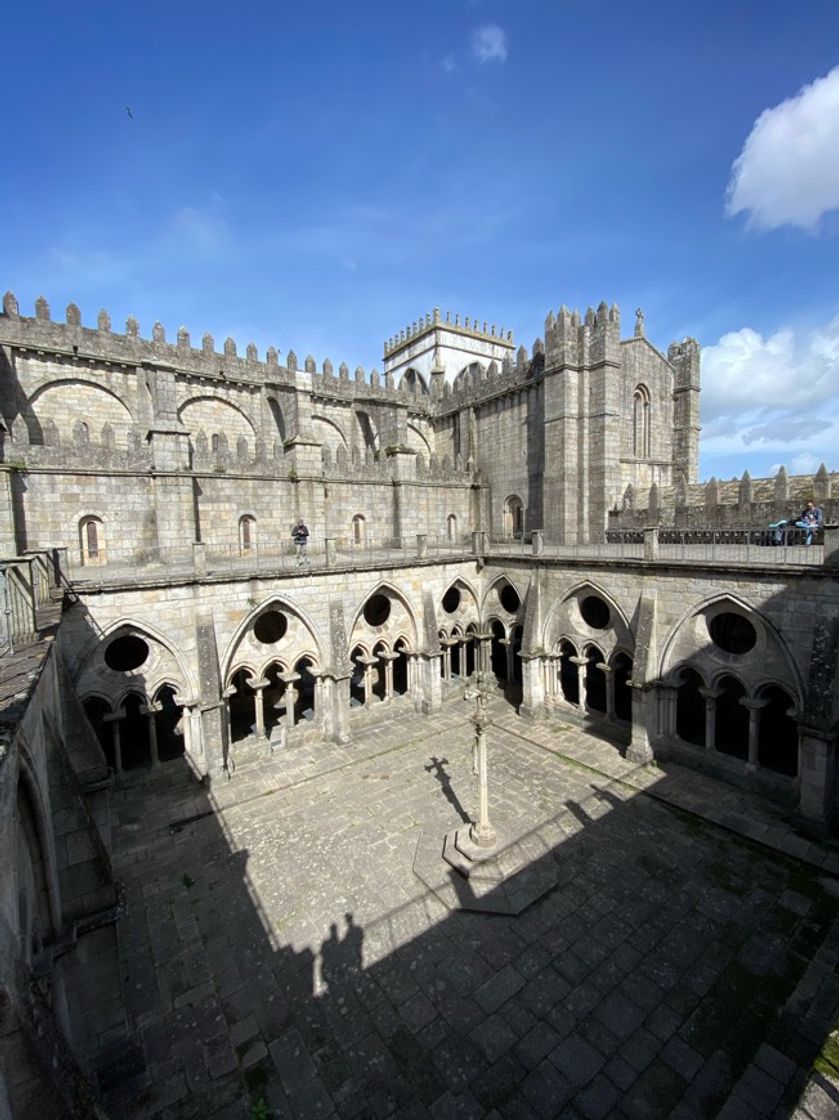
x=211 y=557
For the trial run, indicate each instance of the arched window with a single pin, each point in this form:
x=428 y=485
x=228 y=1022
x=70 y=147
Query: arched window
x=247 y=534
x=641 y=422
x=514 y=517
x=451 y=527
x=359 y=526
x=91 y=540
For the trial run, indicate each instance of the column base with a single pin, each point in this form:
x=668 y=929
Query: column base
x=642 y=753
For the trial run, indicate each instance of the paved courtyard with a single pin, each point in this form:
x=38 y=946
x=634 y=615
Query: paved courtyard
x=280 y=957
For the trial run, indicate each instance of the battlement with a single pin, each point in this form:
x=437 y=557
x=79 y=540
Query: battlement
x=101 y=344
x=434 y=321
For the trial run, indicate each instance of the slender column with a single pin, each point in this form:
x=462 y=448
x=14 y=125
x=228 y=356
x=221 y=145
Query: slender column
x=115 y=718
x=228 y=718
x=367 y=663
x=318 y=699
x=150 y=711
x=186 y=728
x=710 y=696
x=447 y=660
x=754 y=708
x=290 y=696
x=509 y=646
x=388 y=659
x=481 y=833
x=609 y=674
x=258 y=688
x=581 y=663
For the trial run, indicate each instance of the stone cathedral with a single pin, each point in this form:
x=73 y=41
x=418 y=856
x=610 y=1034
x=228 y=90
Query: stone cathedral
x=533 y=515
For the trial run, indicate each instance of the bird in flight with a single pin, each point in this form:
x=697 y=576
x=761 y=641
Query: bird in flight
x=129 y=112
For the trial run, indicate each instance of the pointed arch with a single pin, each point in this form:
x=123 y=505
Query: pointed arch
x=283 y=604
x=499 y=579
x=385 y=587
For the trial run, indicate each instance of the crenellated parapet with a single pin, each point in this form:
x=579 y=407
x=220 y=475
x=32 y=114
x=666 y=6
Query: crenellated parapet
x=102 y=345
x=735 y=503
x=574 y=341
x=454 y=323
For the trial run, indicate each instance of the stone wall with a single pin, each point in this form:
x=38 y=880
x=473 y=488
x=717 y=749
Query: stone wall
x=57 y=898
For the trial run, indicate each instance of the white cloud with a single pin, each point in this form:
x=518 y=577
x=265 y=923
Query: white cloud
x=788 y=170
x=489 y=44
x=777 y=394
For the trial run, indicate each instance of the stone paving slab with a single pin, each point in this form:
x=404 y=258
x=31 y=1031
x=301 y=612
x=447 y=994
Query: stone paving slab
x=281 y=958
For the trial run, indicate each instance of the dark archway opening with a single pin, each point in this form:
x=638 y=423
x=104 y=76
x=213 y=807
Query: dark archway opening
x=378 y=672
x=400 y=669
x=134 y=734
x=469 y=651
x=595 y=681
x=304 y=704
x=622 y=666
x=96 y=709
x=357 y=679
x=731 y=725
x=170 y=739
x=515 y=641
x=498 y=652
x=454 y=654
x=242 y=704
x=690 y=709
x=569 y=678
x=273 y=697
x=777 y=741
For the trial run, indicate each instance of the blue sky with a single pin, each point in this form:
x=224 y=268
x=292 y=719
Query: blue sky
x=315 y=176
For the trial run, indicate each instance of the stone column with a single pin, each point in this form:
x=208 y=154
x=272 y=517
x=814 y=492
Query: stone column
x=115 y=719
x=290 y=696
x=367 y=663
x=609 y=674
x=509 y=652
x=533 y=686
x=537 y=540
x=447 y=659
x=329 y=551
x=335 y=702
x=422 y=546
x=150 y=711
x=388 y=659
x=668 y=696
x=754 y=709
x=258 y=688
x=710 y=696
x=581 y=663
x=430 y=684
x=643 y=714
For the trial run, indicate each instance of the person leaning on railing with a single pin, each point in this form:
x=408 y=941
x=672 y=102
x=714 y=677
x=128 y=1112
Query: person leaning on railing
x=300 y=536
x=811 y=520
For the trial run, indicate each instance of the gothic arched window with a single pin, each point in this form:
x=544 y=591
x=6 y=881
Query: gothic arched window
x=641 y=422
x=91 y=540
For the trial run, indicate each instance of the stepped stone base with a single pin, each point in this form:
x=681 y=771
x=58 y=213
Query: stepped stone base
x=504 y=879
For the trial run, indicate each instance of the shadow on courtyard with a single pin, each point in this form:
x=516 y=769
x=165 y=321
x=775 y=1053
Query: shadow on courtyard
x=665 y=957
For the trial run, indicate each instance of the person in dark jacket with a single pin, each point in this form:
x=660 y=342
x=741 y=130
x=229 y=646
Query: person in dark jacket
x=300 y=536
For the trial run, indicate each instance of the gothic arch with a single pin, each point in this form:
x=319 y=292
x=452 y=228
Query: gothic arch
x=58 y=383
x=235 y=647
x=91 y=674
x=770 y=657
x=641 y=426
x=462 y=610
x=383 y=587
x=332 y=429
x=418 y=440
x=412 y=379
x=503 y=578
x=202 y=398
